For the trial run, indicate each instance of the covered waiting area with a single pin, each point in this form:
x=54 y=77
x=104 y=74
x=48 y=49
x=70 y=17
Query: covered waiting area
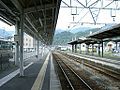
x=107 y=34
x=87 y=41
x=37 y=18
x=103 y=35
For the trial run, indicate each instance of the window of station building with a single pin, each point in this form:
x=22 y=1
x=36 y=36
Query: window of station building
x=26 y=44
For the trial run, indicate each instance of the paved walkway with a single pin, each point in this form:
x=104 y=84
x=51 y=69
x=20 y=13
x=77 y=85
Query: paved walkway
x=26 y=82
x=108 y=62
x=37 y=76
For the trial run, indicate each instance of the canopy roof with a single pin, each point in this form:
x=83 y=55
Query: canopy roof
x=86 y=41
x=110 y=32
x=40 y=16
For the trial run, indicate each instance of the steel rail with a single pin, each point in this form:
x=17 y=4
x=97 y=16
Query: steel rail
x=98 y=68
x=83 y=81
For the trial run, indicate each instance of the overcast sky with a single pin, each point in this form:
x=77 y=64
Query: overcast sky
x=65 y=18
x=6 y=26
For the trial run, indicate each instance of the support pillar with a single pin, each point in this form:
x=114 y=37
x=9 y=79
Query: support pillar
x=72 y=48
x=102 y=49
x=92 y=49
x=116 y=45
x=17 y=44
x=75 y=48
x=21 y=45
x=80 y=48
x=38 y=49
x=87 y=48
x=98 y=49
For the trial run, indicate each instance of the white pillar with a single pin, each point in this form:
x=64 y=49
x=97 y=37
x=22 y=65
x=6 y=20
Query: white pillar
x=21 y=45
x=17 y=44
x=80 y=48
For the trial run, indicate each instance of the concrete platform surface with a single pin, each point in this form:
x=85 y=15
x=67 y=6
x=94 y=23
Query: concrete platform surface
x=39 y=75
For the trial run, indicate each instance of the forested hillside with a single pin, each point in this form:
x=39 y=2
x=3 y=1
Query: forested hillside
x=65 y=36
x=62 y=38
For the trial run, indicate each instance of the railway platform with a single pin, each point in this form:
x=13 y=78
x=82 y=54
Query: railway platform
x=39 y=75
x=104 y=61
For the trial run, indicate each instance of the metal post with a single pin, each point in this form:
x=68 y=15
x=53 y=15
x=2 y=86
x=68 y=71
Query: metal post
x=92 y=49
x=38 y=49
x=99 y=49
x=102 y=48
x=17 y=44
x=72 y=48
x=80 y=48
x=116 y=45
x=87 y=46
x=21 y=45
x=75 y=48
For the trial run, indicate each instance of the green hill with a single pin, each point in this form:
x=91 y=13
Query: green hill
x=62 y=38
x=65 y=36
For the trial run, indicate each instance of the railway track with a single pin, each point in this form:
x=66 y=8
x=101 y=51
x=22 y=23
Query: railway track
x=97 y=67
x=69 y=78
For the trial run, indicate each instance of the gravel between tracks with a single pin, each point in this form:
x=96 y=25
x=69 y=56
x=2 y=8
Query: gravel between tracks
x=103 y=82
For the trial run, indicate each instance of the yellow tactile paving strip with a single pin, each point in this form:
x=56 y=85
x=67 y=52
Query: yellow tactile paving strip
x=40 y=78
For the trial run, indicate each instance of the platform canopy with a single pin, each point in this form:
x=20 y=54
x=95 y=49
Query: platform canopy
x=86 y=41
x=110 y=32
x=40 y=16
x=74 y=42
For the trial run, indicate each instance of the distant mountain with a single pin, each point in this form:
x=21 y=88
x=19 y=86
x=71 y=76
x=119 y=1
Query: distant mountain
x=59 y=31
x=85 y=33
x=81 y=29
x=64 y=37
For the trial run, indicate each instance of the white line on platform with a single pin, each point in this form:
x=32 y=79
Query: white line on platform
x=11 y=75
x=54 y=79
x=40 y=78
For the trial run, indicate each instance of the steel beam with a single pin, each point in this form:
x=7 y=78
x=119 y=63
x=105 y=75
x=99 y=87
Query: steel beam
x=30 y=22
x=17 y=5
x=31 y=31
x=92 y=16
x=80 y=3
x=7 y=19
x=6 y=7
x=40 y=8
x=93 y=3
x=104 y=8
x=28 y=19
